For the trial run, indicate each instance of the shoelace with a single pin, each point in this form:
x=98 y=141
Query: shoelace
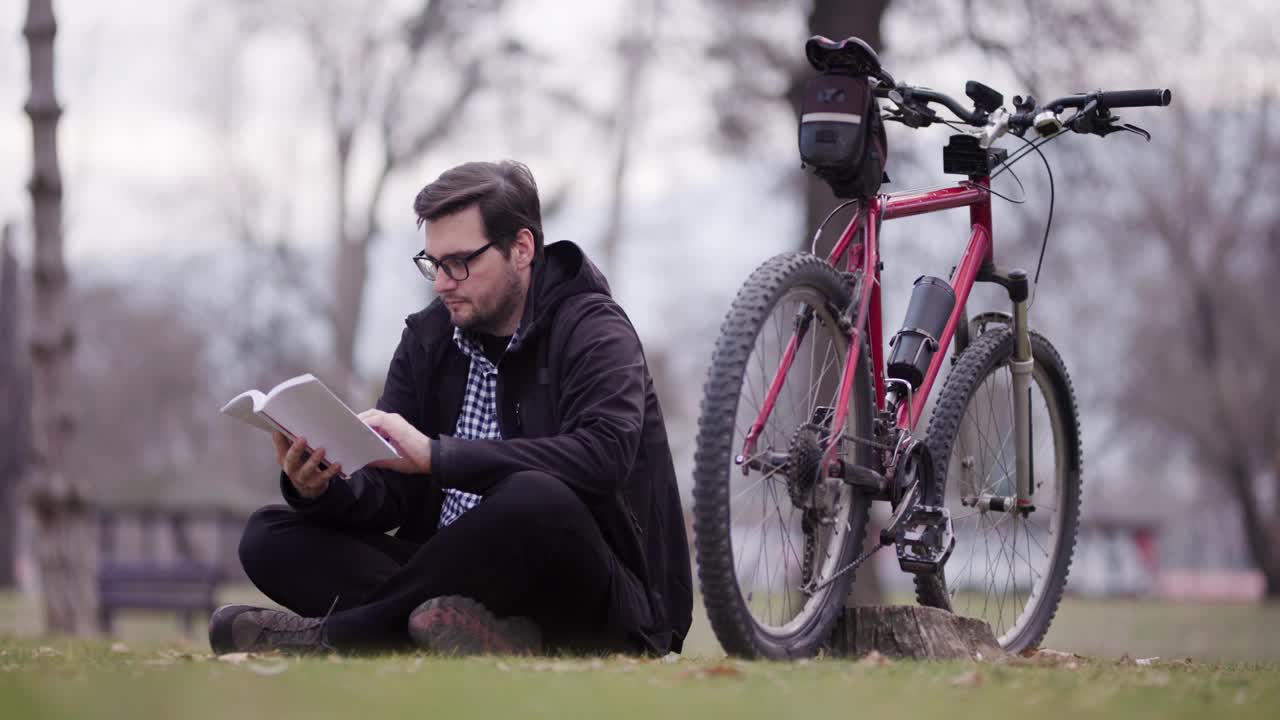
x=288 y=625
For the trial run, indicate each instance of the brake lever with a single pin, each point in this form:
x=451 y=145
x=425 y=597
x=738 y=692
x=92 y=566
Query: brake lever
x=1109 y=128
x=910 y=113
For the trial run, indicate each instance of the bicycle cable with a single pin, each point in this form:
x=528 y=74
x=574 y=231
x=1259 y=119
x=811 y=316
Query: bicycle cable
x=1048 y=225
x=1021 y=188
x=817 y=234
x=1007 y=165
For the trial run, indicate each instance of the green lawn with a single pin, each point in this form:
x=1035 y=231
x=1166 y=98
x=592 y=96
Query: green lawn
x=1095 y=628
x=155 y=672
x=78 y=679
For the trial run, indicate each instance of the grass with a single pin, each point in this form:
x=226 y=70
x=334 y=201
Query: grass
x=162 y=674
x=77 y=679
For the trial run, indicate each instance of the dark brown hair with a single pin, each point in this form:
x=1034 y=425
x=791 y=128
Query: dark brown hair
x=504 y=191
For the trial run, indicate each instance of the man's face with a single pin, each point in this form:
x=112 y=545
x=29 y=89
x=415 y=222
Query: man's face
x=486 y=300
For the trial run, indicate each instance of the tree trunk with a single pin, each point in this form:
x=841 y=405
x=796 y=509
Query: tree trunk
x=1261 y=532
x=635 y=52
x=916 y=633
x=349 y=270
x=15 y=386
x=64 y=542
x=836 y=19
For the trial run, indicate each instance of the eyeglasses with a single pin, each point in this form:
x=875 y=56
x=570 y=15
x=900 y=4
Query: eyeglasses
x=453 y=266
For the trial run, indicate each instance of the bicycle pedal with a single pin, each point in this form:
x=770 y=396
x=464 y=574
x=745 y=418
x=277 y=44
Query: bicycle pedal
x=925 y=540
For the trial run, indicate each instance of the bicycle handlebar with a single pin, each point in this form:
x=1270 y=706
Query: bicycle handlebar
x=1135 y=98
x=1089 y=102
x=1155 y=97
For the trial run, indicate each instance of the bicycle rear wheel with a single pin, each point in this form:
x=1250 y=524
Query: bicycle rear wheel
x=771 y=526
x=1008 y=568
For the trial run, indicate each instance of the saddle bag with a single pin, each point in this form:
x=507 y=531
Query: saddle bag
x=842 y=138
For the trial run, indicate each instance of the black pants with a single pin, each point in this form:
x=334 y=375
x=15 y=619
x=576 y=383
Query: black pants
x=530 y=548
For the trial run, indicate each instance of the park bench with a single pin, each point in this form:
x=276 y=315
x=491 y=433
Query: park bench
x=165 y=559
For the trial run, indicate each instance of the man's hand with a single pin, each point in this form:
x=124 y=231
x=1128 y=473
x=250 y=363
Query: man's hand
x=413 y=446
x=302 y=470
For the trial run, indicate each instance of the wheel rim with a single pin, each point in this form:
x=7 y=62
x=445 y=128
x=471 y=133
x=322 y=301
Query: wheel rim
x=1003 y=564
x=766 y=524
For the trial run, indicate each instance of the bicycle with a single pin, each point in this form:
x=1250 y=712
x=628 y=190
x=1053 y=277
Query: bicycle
x=803 y=412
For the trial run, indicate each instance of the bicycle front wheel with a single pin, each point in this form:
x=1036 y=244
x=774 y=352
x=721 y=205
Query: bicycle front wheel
x=1008 y=568
x=771 y=530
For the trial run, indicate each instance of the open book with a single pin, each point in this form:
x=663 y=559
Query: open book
x=304 y=406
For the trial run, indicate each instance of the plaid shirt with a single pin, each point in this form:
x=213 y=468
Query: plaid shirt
x=479 y=417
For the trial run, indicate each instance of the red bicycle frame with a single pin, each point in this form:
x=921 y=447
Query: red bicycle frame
x=865 y=255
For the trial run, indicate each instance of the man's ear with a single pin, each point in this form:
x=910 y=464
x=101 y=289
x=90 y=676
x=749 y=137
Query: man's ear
x=524 y=248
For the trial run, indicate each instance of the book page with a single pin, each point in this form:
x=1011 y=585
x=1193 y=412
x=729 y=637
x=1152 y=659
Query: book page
x=244 y=407
x=310 y=409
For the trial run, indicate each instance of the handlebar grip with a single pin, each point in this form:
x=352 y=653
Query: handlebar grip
x=1135 y=98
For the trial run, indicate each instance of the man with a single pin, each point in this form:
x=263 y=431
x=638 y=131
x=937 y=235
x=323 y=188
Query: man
x=534 y=502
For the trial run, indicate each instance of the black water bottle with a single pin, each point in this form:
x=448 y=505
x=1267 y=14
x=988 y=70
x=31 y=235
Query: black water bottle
x=932 y=300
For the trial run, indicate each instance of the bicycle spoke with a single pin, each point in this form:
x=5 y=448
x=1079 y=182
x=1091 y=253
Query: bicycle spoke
x=766 y=559
x=1000 y=576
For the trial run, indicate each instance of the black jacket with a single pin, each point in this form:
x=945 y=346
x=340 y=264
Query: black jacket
x=574 y=400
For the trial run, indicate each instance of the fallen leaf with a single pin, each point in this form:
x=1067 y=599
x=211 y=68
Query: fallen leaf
x=560 y=666
x=874 y=659
x=973 y=678
x=1241 y=696
x=1039 y=657
x=719 y=670
x=46 y=651
x=119 y=647
x=504 y=667
x=1146 y=661
x=269 y=667
x=8 y=667
x=1057 y=654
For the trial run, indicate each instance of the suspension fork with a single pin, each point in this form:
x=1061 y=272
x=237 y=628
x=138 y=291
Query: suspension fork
x=1021 y=366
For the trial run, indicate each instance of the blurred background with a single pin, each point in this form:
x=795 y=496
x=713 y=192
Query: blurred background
x=237 y=182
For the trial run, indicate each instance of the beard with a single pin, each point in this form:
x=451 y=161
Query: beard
x=491 y=318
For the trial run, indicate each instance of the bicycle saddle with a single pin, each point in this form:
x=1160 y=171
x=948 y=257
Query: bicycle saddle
x=850 y=55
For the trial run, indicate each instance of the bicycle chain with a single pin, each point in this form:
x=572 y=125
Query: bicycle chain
x=856 y=562
x=810 y=550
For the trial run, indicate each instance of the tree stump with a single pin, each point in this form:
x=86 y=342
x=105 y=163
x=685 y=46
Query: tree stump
x=912 y=632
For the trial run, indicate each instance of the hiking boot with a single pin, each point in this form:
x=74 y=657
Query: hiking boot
x=245 y=628
x=456 y=625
